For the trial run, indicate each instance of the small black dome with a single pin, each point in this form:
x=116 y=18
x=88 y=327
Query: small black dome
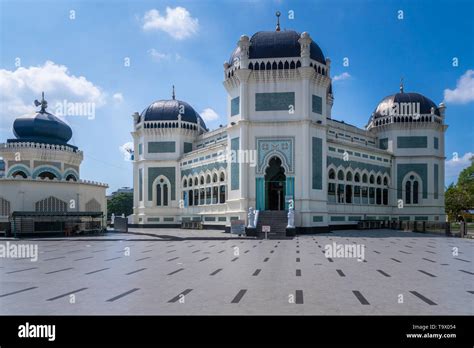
x=168 y=110
x=386 y=106
x=278 y=44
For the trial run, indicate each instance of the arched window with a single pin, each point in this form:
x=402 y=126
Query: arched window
x=201 y=181
x=47 y=175
x=71 y=177
x=349 y=176
x=357 y=177
x=190 y=182
x=379 y=180
x=371 y=179
x=214 y=178
x=222 y=194
x=162 y=192
x=185 y=183
x=208 y=179
x=385 y=181
x=364 y=178
x=340 y=175
x=408 y=192
x=190 y=197
x=415 y=192
x=412 y=189
x=19 y=174
x=222 y=177
x=50 y=205
x=196 y=182
x=332 y=174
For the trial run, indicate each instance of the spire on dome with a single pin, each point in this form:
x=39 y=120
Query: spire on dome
x=278 y=14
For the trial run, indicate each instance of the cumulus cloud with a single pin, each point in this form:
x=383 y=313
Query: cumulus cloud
x=19 y=88
x=177 y=22
x=126 y=150
x=464 y=91
x=341 y=77
x=209 y=114
x=455 y=165
x=118 y=97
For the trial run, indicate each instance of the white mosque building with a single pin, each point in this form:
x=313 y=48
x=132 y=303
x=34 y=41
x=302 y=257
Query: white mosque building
x=279 y=101
x=41 y=190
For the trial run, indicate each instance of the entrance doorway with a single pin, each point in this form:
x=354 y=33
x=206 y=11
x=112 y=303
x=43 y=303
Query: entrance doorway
x=275 y=185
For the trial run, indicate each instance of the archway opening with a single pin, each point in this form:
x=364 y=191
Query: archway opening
x=275 y=185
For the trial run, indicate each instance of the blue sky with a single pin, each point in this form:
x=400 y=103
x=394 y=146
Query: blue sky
x=82 y=60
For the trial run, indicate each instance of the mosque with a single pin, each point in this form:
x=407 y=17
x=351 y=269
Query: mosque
x=41 y=190
x=290 y=151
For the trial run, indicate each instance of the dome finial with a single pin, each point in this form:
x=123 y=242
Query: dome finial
x=278 y=14
x=43 y=103
x=401 y=84
x=173 y=95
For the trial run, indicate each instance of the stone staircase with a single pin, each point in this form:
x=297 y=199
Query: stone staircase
x=276 y=219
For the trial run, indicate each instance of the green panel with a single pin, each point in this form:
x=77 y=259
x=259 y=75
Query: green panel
x=209 y=218
x=46 y=163
x=436 y=181
x=155 y=219
x=338 y=218
x=317 y=104
x=421 y=218
x=235 y=106
x=384 y=218
x=383 y=143
x=140 y=185
x=355 y=218
x=419 y=168
x=161 y=147
x=260 y=193
x=235 y=166
x=290 y=190
x=436 y=143
x=222 y=218
x=232 y=218
x=274 y=101
x=412 y=142
x=404 y=218
x=155 y=172
x=370 y=218
x=356 y=165
x=317 y=218
x=188 y=147
x=317 y=163
x=168 y=219
x=140 y=149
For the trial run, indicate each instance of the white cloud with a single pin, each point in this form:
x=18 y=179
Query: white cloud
x=341 y=77
x=158 y=56
x=209 y=115
x=126 y=150
x=177 y=23
x=118 y=97
x=19 y=88
x=455 y=165
x=464 y=91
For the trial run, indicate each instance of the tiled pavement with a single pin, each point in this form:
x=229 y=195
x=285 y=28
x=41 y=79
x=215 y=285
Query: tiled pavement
x=265 y=277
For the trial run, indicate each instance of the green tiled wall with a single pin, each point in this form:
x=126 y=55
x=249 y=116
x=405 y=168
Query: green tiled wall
x=161 y=147
x=274 y=101
x=317 y=154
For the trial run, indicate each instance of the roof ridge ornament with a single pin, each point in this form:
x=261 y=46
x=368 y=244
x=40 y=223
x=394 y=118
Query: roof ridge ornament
x=278 y=14
x=401 y=85
x=43 y=103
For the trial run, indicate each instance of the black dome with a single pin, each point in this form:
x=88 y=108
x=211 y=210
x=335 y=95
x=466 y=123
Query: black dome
x=42 y=128
x=278 y=44
x=168 y=110
x=385 y=107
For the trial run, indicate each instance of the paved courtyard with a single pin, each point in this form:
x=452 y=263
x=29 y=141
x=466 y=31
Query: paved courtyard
x=161 y=275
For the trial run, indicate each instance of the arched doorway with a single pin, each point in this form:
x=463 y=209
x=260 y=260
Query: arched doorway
x=275 y=185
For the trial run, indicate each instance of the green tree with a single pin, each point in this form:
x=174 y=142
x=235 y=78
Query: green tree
x=121 y=203
x=460 y=197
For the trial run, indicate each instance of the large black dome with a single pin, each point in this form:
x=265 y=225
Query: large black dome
x=168 y=110
x=386 y=106
x=277 y=44
x=42 y=128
